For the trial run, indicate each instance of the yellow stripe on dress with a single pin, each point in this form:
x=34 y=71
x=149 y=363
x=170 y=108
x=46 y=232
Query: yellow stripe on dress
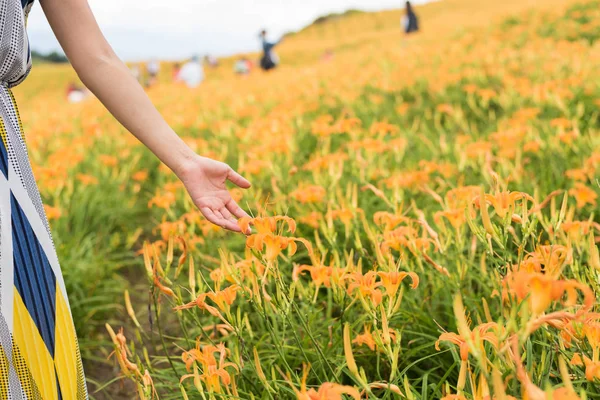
x=3 y=374
x=34 y=351
x=65 y=351
x=3 y=134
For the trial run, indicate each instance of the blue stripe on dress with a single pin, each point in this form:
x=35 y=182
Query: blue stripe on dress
x=34 y=278
x=3 y=156
x=60 y=396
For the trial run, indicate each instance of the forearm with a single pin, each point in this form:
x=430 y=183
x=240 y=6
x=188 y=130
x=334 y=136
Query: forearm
x=111 y=81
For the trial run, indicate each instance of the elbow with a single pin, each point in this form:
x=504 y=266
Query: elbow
x=89 y=66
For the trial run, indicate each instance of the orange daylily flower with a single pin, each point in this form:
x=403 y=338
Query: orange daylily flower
x=148 y=386
x=527 y=113
x=140 y=176
x=407 y=179
x=541 y=290
x=325 y=161
x=560 y=123
x=266 y=225
x=366 y=285
x=592 y=369
x=378 y=128
x=320 y=274
x=470 y=88
x=477 y=149
x=166 y=200
x=157 y=279
x=530 y=390
x=504 y=202
x=214 y=374
x=576 y=230
x=461 y=196
x=241 y=270
x=52 y=212
x=107 y=160
x=407 y=237
x=224 y=298
x=456 y=217
x=309 y=194
x=583 y=195
x=122 y=352
x=312 y=219
x=200 y=302
x=87 y=179
x=267 y=235
x=327 y=390
x=478 y=335
x=254 y=167
x=444 y=108
x=365 y=338
x=577 y=174
x=344 y=215
x=389 y=220
x=402 y=109
x=532 y=146
x=552 y=258
x=392 y=280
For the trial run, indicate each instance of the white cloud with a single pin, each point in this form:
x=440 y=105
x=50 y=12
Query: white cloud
x=140 y=29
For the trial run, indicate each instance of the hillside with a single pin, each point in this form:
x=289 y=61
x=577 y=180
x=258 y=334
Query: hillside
x=349 y=33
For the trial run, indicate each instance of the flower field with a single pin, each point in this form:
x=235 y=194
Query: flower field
x=424 y=216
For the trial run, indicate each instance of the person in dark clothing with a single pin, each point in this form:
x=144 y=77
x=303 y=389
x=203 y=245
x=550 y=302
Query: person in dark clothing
x=411 y=22
x=269 y=59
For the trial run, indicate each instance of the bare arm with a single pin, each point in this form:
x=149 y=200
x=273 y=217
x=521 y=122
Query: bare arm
x=110 y=80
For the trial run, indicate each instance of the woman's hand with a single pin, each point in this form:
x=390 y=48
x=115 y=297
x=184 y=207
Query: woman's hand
x=204 y=180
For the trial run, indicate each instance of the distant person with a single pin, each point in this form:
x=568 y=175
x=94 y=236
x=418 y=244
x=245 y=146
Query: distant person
x=192 y=73
x=410 y=20
x=175 y=72
x=76 y=93
x=211 y=61
x=269 y=59
x=242 y=66
x=153 y=68
x=328 y=55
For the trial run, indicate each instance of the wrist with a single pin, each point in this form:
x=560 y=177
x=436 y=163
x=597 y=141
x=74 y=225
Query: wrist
x=187 y=165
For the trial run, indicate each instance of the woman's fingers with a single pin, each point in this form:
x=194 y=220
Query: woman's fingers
x=217 y=218
x=236 y=210
x=238 y=180
x=210 y=215
x=227 y=215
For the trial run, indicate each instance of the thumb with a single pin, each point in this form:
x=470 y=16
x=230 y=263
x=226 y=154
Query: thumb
x=238 y=180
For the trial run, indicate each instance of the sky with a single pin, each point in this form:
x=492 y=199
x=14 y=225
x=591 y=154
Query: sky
x=176 y=29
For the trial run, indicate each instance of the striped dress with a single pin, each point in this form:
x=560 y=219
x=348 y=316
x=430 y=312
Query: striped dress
x=39 y=354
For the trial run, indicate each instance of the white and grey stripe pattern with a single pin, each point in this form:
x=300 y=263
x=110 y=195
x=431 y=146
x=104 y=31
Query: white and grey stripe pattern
x=15 y=61
x=17 y=151
x=15 y=64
